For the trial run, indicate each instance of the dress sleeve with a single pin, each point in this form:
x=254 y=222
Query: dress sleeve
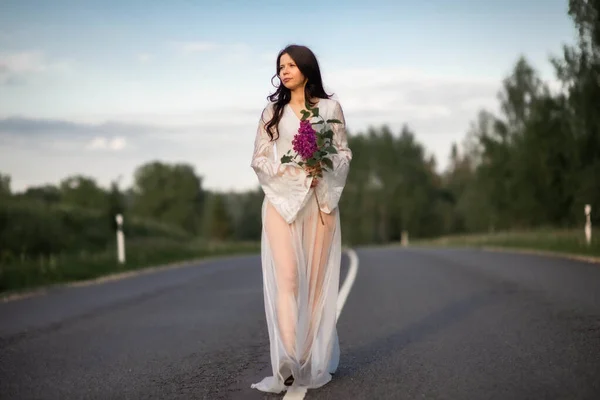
x=286 y=186
x=330 y=187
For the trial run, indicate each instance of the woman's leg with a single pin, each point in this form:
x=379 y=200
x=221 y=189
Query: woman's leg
x=321 y=246
x=284 y=258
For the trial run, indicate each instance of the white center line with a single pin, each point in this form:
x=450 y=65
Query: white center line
x=345 y=289
x=295 y=394
x=299 y=393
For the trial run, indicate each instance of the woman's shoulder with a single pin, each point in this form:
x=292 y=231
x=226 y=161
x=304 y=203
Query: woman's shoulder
x=331 y=103
x=270 y=105
x=331 y=106
x=268 y=109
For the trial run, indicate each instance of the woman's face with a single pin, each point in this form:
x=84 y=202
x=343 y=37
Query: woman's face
x=290 y=74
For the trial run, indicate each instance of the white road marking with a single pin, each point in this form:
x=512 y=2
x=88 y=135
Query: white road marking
x=345 y=289
x=295 y=394
x=299 y=393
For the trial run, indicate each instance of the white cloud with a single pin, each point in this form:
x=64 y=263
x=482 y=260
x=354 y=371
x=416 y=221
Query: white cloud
x=23 y=62
x=117 y=144
x=104 y=143
x=398 y=90
x=438 y=108
x=15 y=67
x=97 y=143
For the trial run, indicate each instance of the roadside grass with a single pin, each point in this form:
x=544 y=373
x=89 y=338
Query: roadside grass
x=568 y=242
x=22 y=273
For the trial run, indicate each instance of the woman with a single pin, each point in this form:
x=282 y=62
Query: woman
x=301 y=253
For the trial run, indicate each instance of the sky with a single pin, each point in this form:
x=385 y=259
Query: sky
x=98 y=88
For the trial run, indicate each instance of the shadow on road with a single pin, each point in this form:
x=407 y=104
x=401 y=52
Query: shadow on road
x=385 y=347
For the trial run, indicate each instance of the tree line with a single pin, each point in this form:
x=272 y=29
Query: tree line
x=534 y=164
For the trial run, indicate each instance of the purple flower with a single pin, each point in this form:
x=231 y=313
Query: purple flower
x=305 y=141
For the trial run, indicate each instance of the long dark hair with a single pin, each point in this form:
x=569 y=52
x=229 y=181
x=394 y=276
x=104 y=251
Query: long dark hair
x=309 y=66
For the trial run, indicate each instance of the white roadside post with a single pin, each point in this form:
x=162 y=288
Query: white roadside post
x=404 y=239
x=588 y=224
x=120 y=239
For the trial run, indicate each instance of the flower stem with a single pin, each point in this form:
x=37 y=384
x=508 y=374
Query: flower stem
x=319 y=208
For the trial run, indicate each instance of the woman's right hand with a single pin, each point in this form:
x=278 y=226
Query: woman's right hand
x=313 y=170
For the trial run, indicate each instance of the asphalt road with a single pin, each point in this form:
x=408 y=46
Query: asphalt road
x=417 y=324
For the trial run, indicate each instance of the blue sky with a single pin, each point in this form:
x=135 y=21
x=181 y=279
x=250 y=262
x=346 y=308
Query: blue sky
x=99 y=87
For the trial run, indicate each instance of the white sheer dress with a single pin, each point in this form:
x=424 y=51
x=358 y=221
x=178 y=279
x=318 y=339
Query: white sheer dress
x=300 y=255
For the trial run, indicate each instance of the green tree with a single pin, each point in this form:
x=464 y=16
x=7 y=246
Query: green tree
x=248 y=222
x=82 y=191
x=116 y=204
x=392 y=187
x=5 y=185
x=171 y=194
x=221 y=224
x=455 y=181
x=47 y=194
x=579 y=72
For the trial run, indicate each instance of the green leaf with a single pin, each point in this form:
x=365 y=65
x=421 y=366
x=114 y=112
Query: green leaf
x=286 y=159
x=328 y=163
x=305 y=115
x=317 y=123
x=334 y=121
x=328 y=134
x=315 y=112
x=331 y=150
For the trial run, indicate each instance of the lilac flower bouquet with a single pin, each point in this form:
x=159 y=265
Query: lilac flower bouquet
x=313 y=147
